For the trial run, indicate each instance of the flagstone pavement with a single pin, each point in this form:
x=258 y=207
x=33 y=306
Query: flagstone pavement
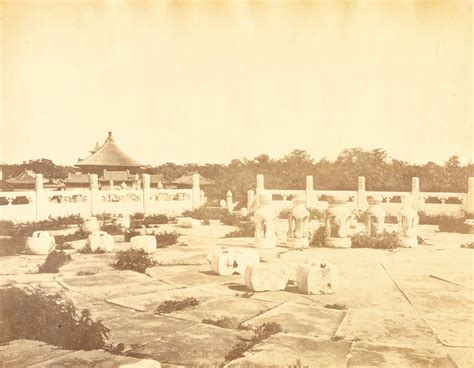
x=403 y=308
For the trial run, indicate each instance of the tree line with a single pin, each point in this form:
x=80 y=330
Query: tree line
x=381 y=172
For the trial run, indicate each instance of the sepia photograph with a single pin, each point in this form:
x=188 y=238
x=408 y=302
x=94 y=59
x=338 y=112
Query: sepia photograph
x=236 y=183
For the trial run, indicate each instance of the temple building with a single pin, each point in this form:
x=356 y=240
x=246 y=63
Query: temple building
x=26 y=181
x=113 y=166
x=108 y=157
x=186 y=181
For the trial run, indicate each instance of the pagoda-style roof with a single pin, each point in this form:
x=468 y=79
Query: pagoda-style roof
x=77 y=178
x=25 y=177
x=109 y=155
x=187 y=179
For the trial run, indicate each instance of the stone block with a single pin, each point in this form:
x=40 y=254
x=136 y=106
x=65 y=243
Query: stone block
x=265 y=243
x=408 y=242
x=100 y=240
x=295 y=243
x=145 y=242
x=317 y=277
x=331 y=242
x=41 y=242
x=144 y=363
x=233 y=261
x=267 y=277
x=188 y=222
x=91 y=225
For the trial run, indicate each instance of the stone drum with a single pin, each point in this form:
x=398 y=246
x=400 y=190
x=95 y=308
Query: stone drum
x=408 y=220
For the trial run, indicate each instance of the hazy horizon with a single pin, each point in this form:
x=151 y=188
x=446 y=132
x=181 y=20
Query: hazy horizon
x=208 y=82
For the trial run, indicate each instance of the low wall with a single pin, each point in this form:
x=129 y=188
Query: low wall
x=40 y=204
x=432 y=203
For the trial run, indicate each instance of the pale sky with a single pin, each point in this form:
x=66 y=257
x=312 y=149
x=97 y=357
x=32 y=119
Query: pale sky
x=211 y=81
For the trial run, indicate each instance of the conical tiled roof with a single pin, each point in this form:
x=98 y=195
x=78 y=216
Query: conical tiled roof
x=109 y=155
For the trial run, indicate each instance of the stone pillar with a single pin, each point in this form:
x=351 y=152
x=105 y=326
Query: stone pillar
x=229 y=202
x=196 y=193
x=146 y=193
x=361 y=195
x=41 y=199
x=298 y=220
x=309 y=190
x=407 y=221
x=259 y=190
x=415 y=192
x=469 y=206
x=250 y=200
x=95 y=196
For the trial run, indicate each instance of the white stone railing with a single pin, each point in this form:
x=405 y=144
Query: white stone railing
x=40 y=203
x=432 y=203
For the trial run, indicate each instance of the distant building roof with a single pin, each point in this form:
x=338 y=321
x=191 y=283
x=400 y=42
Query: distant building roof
x=157 y=178
x=109 y=154
x=187 y=179
x=27 y=176
x=117 y=176
x=77 y=178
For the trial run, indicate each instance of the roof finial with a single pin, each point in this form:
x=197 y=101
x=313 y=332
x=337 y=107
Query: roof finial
x=110 y=138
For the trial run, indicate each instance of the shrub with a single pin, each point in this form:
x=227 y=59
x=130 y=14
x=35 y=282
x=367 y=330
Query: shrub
x=157 y=219
x=6 y=228
x=54 y=260
x=133 y=259
x=130 y=234
x=11 y=246
x=378 y=241
x=78 y=235
x=112 y=229
x=137 y=216
x=166 y=238
x=468 y=245
x=33 y=315
x=86 y=249
x=260 y=333
x=203 y=213
x=63 y=246
x=336 y=306
x=315 y=214
x=85 y=273
x=223 y=322
x=448 y=224
x=317 y=240
x=244 y=230
x=169 y=306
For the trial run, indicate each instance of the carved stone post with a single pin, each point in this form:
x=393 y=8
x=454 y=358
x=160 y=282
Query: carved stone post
x=297 y=225
x=41 y=198
x=229 y=202
x=415 y=192
x=469 y=206
x=375 y=221
x=250 y=200
x=146 y=193
x=338 y=217
x=408 y=220
x=196 y=192
x=259 y=189
x=361 y=196
x=309 y=190
x=95 y=195
x=265 y=217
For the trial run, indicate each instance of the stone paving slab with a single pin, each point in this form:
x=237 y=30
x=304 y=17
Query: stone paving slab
x=283 y=350
x=451 y=328
x=386 y=327
x=464 y=357
x=371 y=355
x=87 y=359
x=226 y=307
x=122 y=290
x=289 y=295
x=148 y=302
x=432 y=301
x=200 y=345
x=23 y=353
x=100 y=310
x=105 y=278
x=22 y=264
x=189 y=275
x=143 y=327
x=370 y=299
x=302 y=319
